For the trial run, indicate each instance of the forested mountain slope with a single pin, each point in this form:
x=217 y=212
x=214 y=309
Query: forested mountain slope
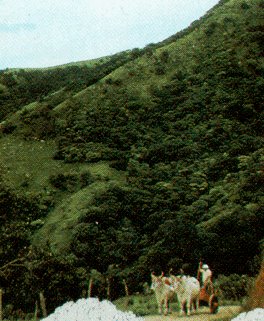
x=157 y=161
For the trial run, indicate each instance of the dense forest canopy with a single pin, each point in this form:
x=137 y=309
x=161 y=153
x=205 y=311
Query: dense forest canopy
x=143 y=161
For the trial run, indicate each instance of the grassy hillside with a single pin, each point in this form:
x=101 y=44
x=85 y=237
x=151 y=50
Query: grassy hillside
x=143 y=162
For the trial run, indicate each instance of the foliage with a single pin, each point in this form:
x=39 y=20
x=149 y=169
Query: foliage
x=71 y=181
x=233 y=287
x=22 y=86
x=20 y=216
x=183 y=121
x=40 y=271
x=141 y=304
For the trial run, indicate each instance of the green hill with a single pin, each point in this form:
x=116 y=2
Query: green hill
x=143 y=161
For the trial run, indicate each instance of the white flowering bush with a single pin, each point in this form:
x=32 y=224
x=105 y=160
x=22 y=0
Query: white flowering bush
x=90 y=309
x=254 y=315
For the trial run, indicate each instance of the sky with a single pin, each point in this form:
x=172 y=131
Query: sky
x=43 y=33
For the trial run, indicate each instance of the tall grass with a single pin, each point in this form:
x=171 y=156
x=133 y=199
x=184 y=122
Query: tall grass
x=142 y=305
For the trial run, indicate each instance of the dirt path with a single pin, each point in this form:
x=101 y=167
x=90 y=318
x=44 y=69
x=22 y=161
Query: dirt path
x=202 y=315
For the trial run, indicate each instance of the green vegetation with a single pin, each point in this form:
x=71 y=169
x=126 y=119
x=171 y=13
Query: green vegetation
x=141 y=161
x=233 y=287
x=141 y=305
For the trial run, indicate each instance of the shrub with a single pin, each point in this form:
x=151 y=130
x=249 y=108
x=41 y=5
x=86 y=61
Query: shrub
x=233 y=287
x=71 y=181
x=244 y=6
x=63 y=182
x=120 y=164
x=86 y=178
x=164 y=57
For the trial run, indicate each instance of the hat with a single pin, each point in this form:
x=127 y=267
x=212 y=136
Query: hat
x=205 y=266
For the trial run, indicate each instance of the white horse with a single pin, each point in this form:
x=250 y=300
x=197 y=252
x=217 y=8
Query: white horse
x=163 y=291
x=188 y=290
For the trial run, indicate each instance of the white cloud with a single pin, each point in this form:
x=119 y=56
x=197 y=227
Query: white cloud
x=68 y=30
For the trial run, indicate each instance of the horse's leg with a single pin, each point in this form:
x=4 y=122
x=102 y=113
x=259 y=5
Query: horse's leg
x=182 y=305
x=166 y=307
x=159 y=302
x=197 y=304
x=160 y=307
x=188 y=307
x=169 y=307
x=193 y=305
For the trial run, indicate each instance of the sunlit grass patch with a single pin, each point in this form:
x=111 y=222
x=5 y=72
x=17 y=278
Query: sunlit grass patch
x=142 y=305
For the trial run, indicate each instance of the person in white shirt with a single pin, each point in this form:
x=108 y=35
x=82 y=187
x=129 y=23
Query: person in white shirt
x=206 y=275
